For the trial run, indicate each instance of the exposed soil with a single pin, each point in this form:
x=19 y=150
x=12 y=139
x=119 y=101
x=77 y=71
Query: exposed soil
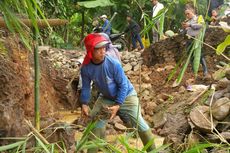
x=16 y=85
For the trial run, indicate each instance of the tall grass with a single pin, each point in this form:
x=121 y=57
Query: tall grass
x=123 y=145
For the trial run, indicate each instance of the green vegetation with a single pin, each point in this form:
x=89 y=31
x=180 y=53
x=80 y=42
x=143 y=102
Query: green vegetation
x=80 y=16
x=122 y=146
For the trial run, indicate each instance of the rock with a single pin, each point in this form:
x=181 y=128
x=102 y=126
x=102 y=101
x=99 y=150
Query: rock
x=120 y=127
x=182 y=89
x=136 y=68
x=43 y=48
x=197 y=87
x=133 y=63
x=115 y=120
x=127 y=67
x=146 y=86
x=176 y=124
x=163 y=96
x=220 y=73
x=216 y=139
x=146 y=98
x=145 y=93
x=227 y=74
x=160 y=69
x=193 y=139
x=219 y=94
x=222 y=84
x=175 y=139
x=125 y=61
x=169 y=33
x=138 y=54
x=219 y=150
x=148 y=118
x=221 y=108
x=169 y=67
x=227 y=95
x=150 y=107
x=159 y=119
x=146 y=79
x=201 y=119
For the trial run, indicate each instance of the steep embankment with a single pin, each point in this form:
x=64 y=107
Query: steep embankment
x=163 y=107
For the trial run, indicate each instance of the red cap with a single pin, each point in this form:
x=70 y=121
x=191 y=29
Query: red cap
x=91 y=40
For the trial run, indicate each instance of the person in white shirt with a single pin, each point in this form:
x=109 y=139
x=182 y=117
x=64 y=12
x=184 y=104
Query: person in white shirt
x=157 y=6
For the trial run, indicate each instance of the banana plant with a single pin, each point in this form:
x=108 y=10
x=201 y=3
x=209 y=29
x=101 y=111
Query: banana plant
x=151 y=22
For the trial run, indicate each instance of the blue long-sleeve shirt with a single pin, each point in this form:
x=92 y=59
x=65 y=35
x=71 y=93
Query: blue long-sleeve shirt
x=108 y=28
x=109 y=78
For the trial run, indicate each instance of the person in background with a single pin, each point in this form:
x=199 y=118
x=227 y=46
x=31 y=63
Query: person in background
x=192 y=28
x=214 y=4
x=157 y=6
x=117 y=94
x=106 y=27
x=214 y=18
x=96 y=26
x=134 y=29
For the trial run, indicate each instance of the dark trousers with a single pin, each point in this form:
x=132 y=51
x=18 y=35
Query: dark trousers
x=135 y=38
x=202 y=60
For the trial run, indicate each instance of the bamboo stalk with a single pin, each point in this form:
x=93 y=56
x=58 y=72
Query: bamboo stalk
x=41 y=22
x=36 y=132
x=36 y=81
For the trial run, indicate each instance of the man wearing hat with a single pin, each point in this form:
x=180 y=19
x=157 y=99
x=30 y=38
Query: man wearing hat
x=157 y=6
x=117 y=94
x=106 y=28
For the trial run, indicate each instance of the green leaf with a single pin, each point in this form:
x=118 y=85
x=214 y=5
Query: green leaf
x=84 y=138
x=160 y=148
x=42 y=145
x=173 y=72
x=221 y=47
x=180 y=76
x=96 y=3
x=24 y=147
x=200 y=147
x=197 y=49
x=11 y=146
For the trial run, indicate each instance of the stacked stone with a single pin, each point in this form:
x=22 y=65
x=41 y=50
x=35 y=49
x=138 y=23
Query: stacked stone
x=139 y=75
x=66 y=61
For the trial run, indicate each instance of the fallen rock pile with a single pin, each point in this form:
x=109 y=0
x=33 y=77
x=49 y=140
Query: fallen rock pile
x=62 y=67
x=207 y=118
x=162 y=106
x=65 y=61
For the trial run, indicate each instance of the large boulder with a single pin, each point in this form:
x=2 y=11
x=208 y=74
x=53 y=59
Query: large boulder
x=221 y=108
x=200 y=117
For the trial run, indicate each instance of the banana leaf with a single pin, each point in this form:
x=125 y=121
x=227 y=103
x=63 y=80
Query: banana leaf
x=95 y=3
x=197 y=50
x=151 y=23
x=221 y=47
x=181 y=74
